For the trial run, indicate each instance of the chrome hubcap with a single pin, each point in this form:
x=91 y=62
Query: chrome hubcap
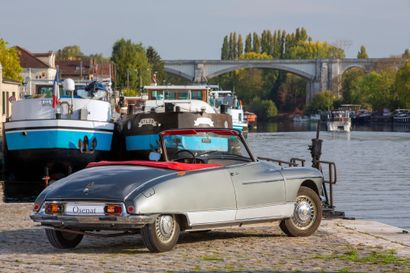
x=305 y=212
x=164 y=226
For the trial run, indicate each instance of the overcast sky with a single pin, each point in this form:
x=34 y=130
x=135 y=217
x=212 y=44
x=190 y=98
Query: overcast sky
x=193 y=29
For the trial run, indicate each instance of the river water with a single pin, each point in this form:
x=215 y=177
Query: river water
x=373 y=167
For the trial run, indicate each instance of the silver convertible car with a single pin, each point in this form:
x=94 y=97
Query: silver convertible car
x=199 y=179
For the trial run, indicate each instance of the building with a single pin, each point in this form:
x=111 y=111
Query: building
x=86 y=69
x=37 y=68
x=9 y=91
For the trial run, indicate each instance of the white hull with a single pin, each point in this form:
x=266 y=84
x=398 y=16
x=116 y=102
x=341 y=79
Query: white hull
x=339 y=126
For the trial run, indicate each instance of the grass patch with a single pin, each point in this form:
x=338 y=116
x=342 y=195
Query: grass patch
x=212 y=258
x=375 y=257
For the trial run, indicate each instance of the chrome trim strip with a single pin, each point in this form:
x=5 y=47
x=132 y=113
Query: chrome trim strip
x=250 y=182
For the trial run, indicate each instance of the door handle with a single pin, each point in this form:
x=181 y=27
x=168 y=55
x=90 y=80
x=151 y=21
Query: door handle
x=234 y=173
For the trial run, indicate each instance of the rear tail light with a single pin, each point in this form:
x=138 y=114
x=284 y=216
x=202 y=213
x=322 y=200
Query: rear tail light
x=54 y=208
x=36 y=207
x=113 y=209
x=130 y=209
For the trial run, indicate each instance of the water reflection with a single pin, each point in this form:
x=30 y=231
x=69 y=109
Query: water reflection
x=290 y=126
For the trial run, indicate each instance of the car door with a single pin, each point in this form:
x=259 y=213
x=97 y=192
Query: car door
x=259 y=190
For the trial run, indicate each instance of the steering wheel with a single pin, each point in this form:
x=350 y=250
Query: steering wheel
x=186 y=151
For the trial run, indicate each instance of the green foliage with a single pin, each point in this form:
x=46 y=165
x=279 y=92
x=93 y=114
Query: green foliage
x=374 y=90
x=321 y=102
x=225 y=49
x=72 y=52
x=314 y=50
x=264 y=109
x=240 y=46
x=255 y=56
x=256 y=43
x=362 y=54
x=406 y=54
x=375 y=257
x=99 y=58
x=248 y=43
x=133 y=69
x=10 y=61
x=130 y=92
x=402 y=85
x=157 y=65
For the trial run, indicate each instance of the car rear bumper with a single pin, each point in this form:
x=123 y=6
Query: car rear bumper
x=94 y=222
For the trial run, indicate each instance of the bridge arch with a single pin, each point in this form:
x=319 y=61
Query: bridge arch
x=178 y=73
x=298 y=72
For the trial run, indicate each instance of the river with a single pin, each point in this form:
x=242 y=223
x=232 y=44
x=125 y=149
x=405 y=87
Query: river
x=373 y=167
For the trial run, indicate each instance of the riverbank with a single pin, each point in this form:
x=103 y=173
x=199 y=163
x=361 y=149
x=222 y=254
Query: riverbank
x=338 y=246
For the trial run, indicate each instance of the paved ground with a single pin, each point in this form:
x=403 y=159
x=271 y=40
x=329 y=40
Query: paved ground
x=338 y=246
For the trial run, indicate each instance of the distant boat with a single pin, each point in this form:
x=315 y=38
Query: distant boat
x=299 y=118
x=401 y=116
x=339 y=121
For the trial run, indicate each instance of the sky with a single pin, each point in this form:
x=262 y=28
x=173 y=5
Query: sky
x=193 y=29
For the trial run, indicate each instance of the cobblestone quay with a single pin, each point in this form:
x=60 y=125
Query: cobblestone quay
x=335 y=247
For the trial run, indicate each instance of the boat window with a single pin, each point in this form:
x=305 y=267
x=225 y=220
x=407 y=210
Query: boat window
x=196 y=94
x=45 y=90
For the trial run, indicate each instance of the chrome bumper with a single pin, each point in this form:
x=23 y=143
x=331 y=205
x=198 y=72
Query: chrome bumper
x=94 y=220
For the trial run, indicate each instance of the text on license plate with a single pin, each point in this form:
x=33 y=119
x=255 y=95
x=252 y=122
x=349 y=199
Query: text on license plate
x=84 y=209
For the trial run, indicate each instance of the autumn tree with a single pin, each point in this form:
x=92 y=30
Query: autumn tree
x=10 y=62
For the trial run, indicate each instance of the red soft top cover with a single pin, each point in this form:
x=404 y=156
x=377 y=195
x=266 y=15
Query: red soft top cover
x=172 y=165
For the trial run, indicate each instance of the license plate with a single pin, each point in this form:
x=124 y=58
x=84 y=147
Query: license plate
x=84 y=209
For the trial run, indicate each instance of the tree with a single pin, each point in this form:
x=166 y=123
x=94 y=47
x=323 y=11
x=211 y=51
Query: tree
x=248 y=43
x=406 y=54
x=362 y=54
x=322 y=101
x=402 y=85
x=156 y=63
x=264 y=109
x=99 y=58
x=240 y=46
x=10 y=62
x=314 y=50
x=231 y=46
x=72 y=52
x=225 y=49
x=234 y=46
x=133 y=69
x=256 y=43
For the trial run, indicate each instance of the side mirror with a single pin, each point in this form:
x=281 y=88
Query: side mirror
x=154 y=156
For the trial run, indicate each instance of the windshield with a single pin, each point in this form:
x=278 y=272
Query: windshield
x=205 y=147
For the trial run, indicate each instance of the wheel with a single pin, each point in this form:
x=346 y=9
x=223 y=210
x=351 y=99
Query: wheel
x=162 y=235
x=63 y=240
x=307 y=215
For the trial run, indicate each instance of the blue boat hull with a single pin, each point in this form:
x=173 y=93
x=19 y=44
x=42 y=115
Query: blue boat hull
x=33 y=149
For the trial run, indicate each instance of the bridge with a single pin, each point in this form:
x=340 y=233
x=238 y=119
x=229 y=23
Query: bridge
x=321 y=74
